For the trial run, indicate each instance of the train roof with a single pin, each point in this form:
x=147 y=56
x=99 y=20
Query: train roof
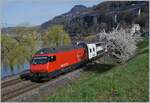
x=57 y=49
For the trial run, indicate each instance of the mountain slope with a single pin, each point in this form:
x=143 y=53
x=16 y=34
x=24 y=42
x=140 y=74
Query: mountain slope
x=61 y=19
x=81 y=20
x=106 y=15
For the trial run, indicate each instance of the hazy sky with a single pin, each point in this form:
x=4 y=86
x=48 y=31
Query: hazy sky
x=35 y=12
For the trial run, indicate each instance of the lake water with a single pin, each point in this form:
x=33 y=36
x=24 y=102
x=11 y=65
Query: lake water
x=7 y=72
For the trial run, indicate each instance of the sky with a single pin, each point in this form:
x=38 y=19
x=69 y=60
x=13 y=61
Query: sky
x=35 y=12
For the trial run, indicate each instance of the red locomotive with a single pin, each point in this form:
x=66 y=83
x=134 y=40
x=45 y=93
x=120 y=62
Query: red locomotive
x=49 y=62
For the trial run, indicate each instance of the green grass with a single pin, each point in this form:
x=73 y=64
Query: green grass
x=144 y=43
x=106 y=82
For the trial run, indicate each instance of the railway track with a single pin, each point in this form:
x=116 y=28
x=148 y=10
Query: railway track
x=18 y=91
x=11 y=82
x=16 y=87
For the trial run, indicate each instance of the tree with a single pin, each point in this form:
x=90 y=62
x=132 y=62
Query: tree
x=103 y=26
x=142 y=19
x=56 y=36
x=29 y=45
x=8 y=46
x=121 y=44
x=126 y=16
x=17 y=49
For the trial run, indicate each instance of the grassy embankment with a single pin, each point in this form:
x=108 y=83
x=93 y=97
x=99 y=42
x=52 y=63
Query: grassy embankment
x=106 y=82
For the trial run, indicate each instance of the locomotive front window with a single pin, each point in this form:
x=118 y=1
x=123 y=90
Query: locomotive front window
x=52 y=58
x=39 y=60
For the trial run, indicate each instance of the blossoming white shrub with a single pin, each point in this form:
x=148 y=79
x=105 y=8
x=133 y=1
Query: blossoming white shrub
x=121 y=44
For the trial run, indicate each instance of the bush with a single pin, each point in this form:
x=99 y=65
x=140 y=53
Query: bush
x=121 y=44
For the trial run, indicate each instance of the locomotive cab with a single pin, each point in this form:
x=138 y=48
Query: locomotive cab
x=40 y=64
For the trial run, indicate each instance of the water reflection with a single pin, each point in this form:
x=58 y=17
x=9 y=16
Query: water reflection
x=6 y=71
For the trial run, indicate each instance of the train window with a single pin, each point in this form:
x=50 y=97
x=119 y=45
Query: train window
x=39 y=60
x=90 y=50
x=52 y=58
x=93 y=49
